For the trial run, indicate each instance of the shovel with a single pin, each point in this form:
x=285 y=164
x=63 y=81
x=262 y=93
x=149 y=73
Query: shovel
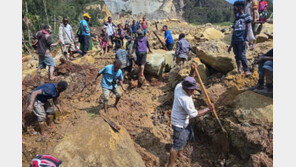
x=208 y=99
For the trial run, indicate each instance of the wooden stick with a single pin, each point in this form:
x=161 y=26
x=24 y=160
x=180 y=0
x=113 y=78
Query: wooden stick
x=208 y=98
x=160 y=40
x=111 y=123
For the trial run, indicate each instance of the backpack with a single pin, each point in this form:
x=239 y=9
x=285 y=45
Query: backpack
x=45 y=161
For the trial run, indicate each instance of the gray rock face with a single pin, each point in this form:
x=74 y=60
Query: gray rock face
x=150 y=8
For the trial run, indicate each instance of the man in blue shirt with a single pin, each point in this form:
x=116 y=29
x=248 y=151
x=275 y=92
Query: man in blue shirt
x=169 y=41
x=84 y=33
x=111 y=74
x=38 y=101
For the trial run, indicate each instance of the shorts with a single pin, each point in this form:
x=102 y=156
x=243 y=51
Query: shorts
x=181 y=136
x=141 y=58
x=268 y=65
x=144 y=31
x=45 y=60
x=42 y=109
x=106 y=93
x=169 y=46
x=67 y=48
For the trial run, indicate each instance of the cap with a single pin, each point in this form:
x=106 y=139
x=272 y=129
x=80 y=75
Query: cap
x=189 y=83
x=86 y=15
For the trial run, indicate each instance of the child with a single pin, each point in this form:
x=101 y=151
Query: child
x=120 y=34
x=239 y=41
x=134 y=28
x=104 y=40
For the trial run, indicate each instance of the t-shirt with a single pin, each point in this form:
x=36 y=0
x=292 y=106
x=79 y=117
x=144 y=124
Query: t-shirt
x=122 y=55
x=182 y=48
x=183 y=108
x=48 y=90
x=134 y=28
x=108 y=75
x=169 y=37
x=141 y=44
x=240 y=28
x=84 y=22
x=110 y=28
x=144 y=24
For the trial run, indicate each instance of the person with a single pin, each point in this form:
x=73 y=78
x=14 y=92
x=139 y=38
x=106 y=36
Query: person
x=263 y=11
x=84 y=33
x=45 y=160
x=140 y=47
x=127 y=31
x=110 y=29
x=122 y=55
x=265 y=69
x=111 y=75
x=169 y=41
x=104 y=40
x=38 y=102
x=144 y=26
x=44 y=44
x=182 y=49
x=67 y=38
x=239 y=41
x=252 y=8
x=134 y=28
x=119 y=34
x=183 y=109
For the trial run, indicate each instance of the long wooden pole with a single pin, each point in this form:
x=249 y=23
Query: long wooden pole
x=160 y=40
x=208 y=98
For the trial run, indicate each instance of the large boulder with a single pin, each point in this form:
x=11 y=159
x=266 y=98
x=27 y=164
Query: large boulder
x=253 y=108
x=215 y=54
x=252 y=133
x=177 y=74
x=212 y=33
x=94 y=143
x=158 y=62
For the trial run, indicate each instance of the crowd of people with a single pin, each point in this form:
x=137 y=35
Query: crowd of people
x=248 y=14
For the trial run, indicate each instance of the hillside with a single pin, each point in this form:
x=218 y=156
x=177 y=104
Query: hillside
x=207 y=11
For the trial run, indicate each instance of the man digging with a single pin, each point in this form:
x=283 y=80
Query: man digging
x=111 y=74
x=183 y=109
x=38 y=102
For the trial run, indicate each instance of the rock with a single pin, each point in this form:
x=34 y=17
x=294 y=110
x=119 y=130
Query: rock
x=262 y=38
x=215 y=54
x=212 y=33
x=177 y=74
x=94 y=143
x=255 y=111
x=254 y=108
x=158 y=62
x=260 y=159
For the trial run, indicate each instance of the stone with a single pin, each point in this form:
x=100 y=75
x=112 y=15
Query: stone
x=215 y=54
x=212 y=33
x=158 y=62
x=177 y=74
x=254 y=108
x=86 y=59
x=95 y=143
x=262 y=38
x=260 y=159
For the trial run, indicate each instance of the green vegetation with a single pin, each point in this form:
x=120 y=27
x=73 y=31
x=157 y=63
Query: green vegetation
x=42 y=12
x=207 y=11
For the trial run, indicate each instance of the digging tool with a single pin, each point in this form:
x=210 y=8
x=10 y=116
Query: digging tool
x=164 y=47
x=208 y=99
x=111 y=123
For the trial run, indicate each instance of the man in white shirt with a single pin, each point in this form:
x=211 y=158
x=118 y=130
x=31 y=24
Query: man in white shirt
x=183 y=109
x=67 y=39
x=110 y=29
